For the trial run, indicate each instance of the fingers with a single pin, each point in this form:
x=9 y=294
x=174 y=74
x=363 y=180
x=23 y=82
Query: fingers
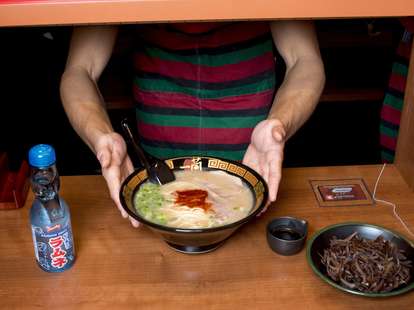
x=114 y=182
x=116 y=166
x=264 y=209
x=119 y=153
x=112 y=177
x=104 y=157
x=134 y=222
x=265 y=171
x=275 y=175
x=250 y=159
x=128 y=166
x=275 y=161
x=110 y=149
x=262 y=166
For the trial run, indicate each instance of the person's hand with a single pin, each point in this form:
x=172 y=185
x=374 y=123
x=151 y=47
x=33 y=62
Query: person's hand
x=112 y=154
x=265 y=153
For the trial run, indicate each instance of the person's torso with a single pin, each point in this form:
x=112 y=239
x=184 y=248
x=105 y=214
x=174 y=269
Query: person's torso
x=200 y=88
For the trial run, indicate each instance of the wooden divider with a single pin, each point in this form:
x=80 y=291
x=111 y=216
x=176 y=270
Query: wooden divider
x=404 y=158
x=66 y=12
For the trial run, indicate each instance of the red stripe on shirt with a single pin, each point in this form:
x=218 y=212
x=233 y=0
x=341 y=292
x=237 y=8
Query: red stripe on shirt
x=398 y=82
x=190 y=71
x=192 y=135
x=388 y=142
x=404 y=50
x=390 y=114
x=233 y=33
x=184 y=101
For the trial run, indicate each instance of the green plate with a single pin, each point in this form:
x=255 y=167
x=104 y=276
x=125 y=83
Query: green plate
x=320 y=241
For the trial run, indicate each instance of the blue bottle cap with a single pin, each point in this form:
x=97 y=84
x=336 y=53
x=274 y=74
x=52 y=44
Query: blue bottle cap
x=42 y=155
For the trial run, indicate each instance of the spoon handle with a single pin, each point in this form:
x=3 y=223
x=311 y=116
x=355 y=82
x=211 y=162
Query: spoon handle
x=137 y=148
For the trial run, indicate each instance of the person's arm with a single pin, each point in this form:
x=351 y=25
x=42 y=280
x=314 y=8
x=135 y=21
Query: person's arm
x=90 y=51
x=299 y=93
x=294 y=102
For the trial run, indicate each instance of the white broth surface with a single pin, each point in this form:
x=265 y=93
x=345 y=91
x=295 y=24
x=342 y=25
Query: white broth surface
x=196 y=199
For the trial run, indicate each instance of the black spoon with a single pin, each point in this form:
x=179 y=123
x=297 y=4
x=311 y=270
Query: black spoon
x=158 y=172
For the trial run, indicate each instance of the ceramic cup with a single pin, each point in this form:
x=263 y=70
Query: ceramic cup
x=286 y=235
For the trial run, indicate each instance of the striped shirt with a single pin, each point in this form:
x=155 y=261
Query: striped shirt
x=200 y=88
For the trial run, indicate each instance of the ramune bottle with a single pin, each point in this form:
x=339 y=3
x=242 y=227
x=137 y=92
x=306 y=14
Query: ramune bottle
x=49 y=214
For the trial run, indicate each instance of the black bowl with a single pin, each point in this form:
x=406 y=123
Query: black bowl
x=286 y=235
x=197 y=240
x=320 y=241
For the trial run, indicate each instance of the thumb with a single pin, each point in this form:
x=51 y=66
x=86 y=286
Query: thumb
x=279 y=133
x=104 y=157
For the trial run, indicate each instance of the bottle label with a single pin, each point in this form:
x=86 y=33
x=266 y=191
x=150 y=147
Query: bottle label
x=54 y=248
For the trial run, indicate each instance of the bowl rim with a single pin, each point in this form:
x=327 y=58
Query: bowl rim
x=296 y=219
x=338 y=286
x=198 y=230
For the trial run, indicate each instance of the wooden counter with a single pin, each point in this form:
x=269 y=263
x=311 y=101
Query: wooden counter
x=121 y=267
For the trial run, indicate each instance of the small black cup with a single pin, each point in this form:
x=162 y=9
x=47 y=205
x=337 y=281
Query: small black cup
x=286 y=235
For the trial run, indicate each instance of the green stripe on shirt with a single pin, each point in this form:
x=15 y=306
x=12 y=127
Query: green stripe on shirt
x=197 y=122
x=393 y=101
x=400 y=69
x=388 y=131
x=167 y=86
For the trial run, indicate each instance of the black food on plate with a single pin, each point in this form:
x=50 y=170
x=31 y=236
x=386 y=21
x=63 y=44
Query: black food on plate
x=373 y=266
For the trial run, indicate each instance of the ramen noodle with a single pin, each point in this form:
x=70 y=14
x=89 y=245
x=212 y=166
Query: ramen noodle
x=196 y=199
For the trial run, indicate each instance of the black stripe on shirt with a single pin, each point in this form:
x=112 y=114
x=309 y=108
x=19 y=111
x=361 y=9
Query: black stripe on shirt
x=203 y=112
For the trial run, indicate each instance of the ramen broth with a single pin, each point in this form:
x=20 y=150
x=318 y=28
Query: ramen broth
x=196 y=199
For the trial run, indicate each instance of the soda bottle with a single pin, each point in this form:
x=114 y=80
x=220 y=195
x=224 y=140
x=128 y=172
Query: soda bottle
x=49 y=213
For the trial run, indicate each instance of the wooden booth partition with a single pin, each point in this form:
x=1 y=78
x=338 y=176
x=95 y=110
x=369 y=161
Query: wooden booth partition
x=404 y=157
x=69 y=12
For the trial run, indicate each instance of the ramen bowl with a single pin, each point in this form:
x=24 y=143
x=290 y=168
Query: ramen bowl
x=197 y=240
